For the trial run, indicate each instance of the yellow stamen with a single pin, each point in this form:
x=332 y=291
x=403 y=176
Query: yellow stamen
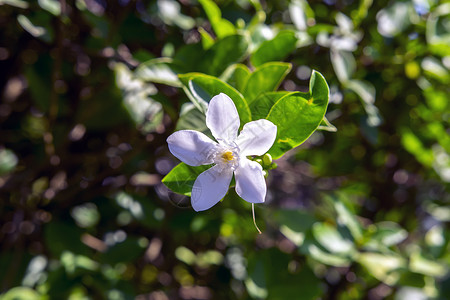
x=227 y=156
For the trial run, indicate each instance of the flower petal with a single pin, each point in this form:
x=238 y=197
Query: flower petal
x=250 y=183
x=191 y=147
x=209 y=187
x=222 y=118
x=256 y=137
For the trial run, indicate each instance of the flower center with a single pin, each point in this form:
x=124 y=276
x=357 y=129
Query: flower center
x=226 y=156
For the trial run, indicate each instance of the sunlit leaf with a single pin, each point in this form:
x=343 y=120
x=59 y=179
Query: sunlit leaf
x=35 y=30
x=236 y=75
x=15 y=3
x=201 y=88
x=222 y=27
x=21 y=293
x=298 y=117
x=159 y=70
x=226 y=51
x=420 y=264
x=144 y=111
x=52 y=6
x=262 y=104
x=265 y=78
x=382 y=266
x=181 y=179
x=276 y=49
x=344 y=64
x=331 y=239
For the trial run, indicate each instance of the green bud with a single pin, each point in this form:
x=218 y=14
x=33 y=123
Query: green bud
x=267 y=159
x=240 y=23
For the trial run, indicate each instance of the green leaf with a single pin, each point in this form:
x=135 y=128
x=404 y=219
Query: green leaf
x=236 y=75
x=294 y=224
x=192 y=119
x=420 y=264
x=265 y=78
x=224 y=52
x=382 y=266
x=389 y=233
x=331 y=239
x=270 y=277
x=344 y=64
x=222 y=27
x=33 y=27
x=181 y=179
x=77 y=264
x=437 y=36
x=261 y=106
x=298 y=117
x=170 y=12
x=159 y=70
x=144 y=111
x=275 y=49
x=415 y=146
x=52 y=6
x=207 y=40
x=21 y=293
x=201 y=88
x=15 y=3
x=327 y=258
x=348 y=219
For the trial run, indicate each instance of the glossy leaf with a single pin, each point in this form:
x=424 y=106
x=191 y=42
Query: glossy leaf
x=275 y=49
x=297 y=117
x=160 y=70
x=331 y=239
x=261 y=106
x=52 y=6
x=201 y=88
x=15 y=3
x=294 y=224
x=21 y=293
x=144 y=111
x=222 y=27
x=347 y=218
x=236 y=75
x=181 y=179
x=40 y=31
x=382 y=266
x=265 y=78
x=192 y=118
x=226 y=51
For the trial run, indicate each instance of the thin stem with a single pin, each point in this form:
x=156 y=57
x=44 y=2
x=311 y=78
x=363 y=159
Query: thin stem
x=254 y=222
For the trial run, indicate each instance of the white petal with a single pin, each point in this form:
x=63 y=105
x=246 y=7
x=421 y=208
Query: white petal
x=250 y=183
x=209 y=187
x=256 y=137
x=191 y=147
x=222 y=118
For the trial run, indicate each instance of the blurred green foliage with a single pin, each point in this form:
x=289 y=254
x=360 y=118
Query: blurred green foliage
x=90 y=91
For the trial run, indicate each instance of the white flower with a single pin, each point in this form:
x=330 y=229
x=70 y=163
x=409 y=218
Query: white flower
x=229 y=154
